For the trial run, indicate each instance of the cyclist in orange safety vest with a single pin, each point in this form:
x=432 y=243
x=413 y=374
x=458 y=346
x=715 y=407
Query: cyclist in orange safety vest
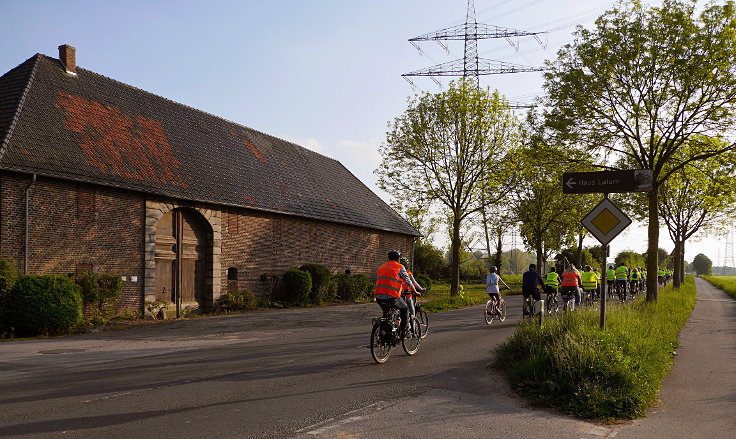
x=571 y=283
x=406 y=292
x=389 y=283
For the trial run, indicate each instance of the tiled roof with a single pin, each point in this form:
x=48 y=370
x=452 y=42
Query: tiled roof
x=94 y=129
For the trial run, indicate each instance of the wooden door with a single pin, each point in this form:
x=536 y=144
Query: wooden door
x=182 y=244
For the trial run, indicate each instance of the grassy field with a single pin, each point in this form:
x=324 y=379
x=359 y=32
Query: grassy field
x=726 y=283
x=571 y=365
x=438 y=299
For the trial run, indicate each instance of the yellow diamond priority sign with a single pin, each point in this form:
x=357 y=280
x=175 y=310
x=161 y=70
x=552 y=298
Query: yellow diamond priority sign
x=606 y=221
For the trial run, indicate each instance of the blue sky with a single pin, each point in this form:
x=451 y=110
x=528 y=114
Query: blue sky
x=325 y=74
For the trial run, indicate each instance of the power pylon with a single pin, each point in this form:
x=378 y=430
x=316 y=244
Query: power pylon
x=728 y=256
x=471 y=66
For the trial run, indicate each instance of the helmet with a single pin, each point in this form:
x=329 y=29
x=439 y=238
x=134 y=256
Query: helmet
x=394 y=255
x=493 y=269
x=404 y=261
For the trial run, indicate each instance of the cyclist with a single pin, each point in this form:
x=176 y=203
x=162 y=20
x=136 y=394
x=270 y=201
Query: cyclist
x=389 y=281
x=635 y=281
x=598 y=283
x=551 y=283
x=492 y=281
x=529 y=281
x=610 y=279
x=589 y=281
x=660 y=276
x=406 y=292
x=571 y=284
x=622 y=279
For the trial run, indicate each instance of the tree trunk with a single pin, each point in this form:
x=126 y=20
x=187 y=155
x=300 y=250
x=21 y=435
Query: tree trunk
x=498 y=261
x=678 y=264
x=455 y=259
x=653 y=244
x=488 y=239
x=580 y=250
x=540 y=256
x=682 y=261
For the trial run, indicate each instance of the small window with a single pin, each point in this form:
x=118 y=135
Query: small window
x=232 y=273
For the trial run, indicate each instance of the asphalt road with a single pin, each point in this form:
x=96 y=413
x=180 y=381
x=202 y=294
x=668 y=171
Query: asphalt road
x=297 y=373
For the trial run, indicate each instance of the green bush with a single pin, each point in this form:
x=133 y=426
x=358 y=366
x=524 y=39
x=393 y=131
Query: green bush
x=240 y=300
x=8 y=279
x=44 y=304
x=99 y=294
x=353 y=288
x=321 y=277
x=296 y=286
x=424 y=281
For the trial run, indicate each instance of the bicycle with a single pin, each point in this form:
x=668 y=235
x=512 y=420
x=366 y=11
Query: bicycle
x=494 y=309
x=422 y=317
x=385 y=335
x=532 y=308
x=552 y=303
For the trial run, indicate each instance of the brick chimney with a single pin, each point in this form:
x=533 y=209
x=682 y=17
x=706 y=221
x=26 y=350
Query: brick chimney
x=68 y=58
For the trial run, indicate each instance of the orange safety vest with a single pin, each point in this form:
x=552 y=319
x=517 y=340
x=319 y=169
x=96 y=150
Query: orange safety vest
x=388 y=281
x=407 y=288
x=570 y=279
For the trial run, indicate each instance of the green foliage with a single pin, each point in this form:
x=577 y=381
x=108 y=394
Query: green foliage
x=630 y=259
x=158 y=308
x=8 y=279
x=101 y=290
x=571 y=365
x=353 y=288
x=438 y=152
x=321 y=277
x=424 y=281
x=239 y=300
x=702 y=265
x=430 y=261
x=726 y=283
x=296 y=286
x=44 y=304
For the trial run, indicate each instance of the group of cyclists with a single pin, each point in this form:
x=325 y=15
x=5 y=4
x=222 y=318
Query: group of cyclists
x=584 y=287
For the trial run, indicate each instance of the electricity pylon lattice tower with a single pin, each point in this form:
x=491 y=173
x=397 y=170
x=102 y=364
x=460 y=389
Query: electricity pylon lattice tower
x=728 y=256
x=471 y=66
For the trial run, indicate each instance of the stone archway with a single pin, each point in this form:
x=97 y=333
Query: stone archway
x=182 y=256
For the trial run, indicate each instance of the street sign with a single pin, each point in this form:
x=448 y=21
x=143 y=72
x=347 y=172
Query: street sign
x=605 y=221
x=606 y=182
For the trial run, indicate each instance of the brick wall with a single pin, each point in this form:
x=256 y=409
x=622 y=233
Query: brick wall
x=255 y=243
x=73 y=226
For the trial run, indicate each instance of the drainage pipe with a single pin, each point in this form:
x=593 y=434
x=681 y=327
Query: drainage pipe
x=25 y=249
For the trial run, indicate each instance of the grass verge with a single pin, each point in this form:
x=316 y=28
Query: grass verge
x=571 y=365
x=726 y=283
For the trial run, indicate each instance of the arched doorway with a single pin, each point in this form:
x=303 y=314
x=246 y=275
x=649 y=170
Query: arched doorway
x=183 y=249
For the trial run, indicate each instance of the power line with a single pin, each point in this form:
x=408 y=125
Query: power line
x=470 y=66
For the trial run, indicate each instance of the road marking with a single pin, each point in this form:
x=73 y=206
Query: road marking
x=345 y=418
x=108 y=397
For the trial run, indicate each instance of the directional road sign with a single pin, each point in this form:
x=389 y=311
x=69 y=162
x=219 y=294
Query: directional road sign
x=605 y=182
x=605 y=221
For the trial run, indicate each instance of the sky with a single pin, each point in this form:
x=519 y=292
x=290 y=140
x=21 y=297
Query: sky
x=325 y=74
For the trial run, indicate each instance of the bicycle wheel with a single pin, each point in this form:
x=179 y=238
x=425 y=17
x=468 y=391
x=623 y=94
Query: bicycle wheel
x=411 y=343
x=423 y=318
x=552 y=305
x=380 y=344
x=502 y=311
x=488 y=312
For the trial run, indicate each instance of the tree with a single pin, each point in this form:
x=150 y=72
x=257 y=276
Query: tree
x=429 y=261
x=693 y=198
x=630 y=259
x=702 y=265
x=641 y=84
x=441 y=149
x=574 y=256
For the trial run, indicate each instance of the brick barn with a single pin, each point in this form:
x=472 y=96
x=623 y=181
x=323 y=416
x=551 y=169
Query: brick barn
x=99 y=175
